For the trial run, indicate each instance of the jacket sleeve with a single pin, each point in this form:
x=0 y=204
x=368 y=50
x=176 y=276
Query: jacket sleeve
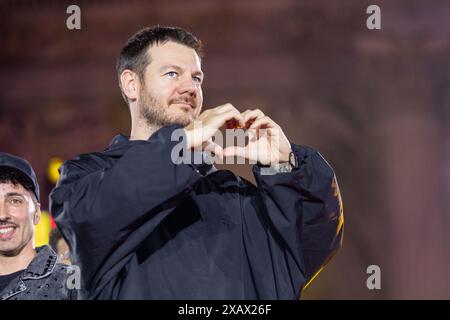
x=98 y=207
x=305 y=209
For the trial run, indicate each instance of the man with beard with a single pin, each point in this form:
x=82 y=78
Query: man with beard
x=26 y=272
x=141 y=226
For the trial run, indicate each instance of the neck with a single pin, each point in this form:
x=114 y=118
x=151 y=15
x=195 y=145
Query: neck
x=11 y=264
x=141 y=130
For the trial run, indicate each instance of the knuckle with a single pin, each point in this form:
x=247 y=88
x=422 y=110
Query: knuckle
x=219 y=108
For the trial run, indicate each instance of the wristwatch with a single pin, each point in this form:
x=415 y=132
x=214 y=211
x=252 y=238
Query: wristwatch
x=293 y=161
x=289 y=166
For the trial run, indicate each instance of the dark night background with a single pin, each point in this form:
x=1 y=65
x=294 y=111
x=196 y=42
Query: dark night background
x=375 y=103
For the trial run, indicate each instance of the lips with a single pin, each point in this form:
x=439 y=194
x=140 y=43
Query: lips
x=186 y=102
x=6 y=232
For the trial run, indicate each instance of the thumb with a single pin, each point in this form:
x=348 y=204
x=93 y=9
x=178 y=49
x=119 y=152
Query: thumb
x=214 y=148
x=235 y=152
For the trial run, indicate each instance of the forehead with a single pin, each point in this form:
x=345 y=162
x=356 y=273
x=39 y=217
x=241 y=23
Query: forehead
x=9 y=187
x=170 y=53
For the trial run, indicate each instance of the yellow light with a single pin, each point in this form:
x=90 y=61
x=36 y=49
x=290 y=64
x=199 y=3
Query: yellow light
x=52 y=171
x=42 y=229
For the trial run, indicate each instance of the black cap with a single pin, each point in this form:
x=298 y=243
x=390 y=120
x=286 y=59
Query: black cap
x=15 y=163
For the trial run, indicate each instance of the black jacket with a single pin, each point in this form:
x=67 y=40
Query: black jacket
x=43 y=279
x=142 y=227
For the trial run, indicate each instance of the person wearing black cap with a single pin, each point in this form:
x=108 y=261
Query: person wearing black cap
x=26 y=272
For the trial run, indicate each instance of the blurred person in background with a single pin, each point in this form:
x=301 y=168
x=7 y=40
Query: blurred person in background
x=143 y=227
x=59 y=245
x=26 y=272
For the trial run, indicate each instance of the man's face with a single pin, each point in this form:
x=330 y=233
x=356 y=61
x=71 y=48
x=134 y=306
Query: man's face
x=17 y=218
x=172 y=92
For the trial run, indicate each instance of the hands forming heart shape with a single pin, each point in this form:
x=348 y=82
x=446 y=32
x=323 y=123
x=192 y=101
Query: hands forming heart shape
x=267 y=144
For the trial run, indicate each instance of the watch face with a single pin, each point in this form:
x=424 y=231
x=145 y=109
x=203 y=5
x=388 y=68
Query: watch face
x=293 y=160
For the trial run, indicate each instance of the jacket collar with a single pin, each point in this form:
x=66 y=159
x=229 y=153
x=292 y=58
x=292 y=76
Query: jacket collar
x=40 y=267
x=121 y=144
x=118 y=140
x=162 y=133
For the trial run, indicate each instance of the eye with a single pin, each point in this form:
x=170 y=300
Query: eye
x=197 y=79
x=172 y=74
x=16 y=201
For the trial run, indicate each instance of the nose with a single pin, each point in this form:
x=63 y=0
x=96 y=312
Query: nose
x=188 y=86
x=3 y=214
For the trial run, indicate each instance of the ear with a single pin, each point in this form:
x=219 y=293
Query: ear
x=37 y=214
x=130 y=83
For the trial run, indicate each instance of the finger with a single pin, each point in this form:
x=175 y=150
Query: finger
x=274 y=131
x=225 y=108
x=252 y=134
x=235 y=152
x=230 y=108
x=250 y=115
x=222 y=118
x=207 y=125
x=213 y=121
x=232 y=124
x=211 y=112
x=264 y=122
x=214 y=148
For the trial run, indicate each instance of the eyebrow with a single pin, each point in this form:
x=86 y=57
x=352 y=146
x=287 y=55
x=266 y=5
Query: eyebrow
x=173 y=66
x=13 y=194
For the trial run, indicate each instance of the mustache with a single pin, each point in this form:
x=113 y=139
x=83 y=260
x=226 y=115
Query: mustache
x=184 y=99
x=7 y=223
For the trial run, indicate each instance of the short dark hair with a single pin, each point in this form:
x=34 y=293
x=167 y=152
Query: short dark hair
x=16 y=177
x=133 y=55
